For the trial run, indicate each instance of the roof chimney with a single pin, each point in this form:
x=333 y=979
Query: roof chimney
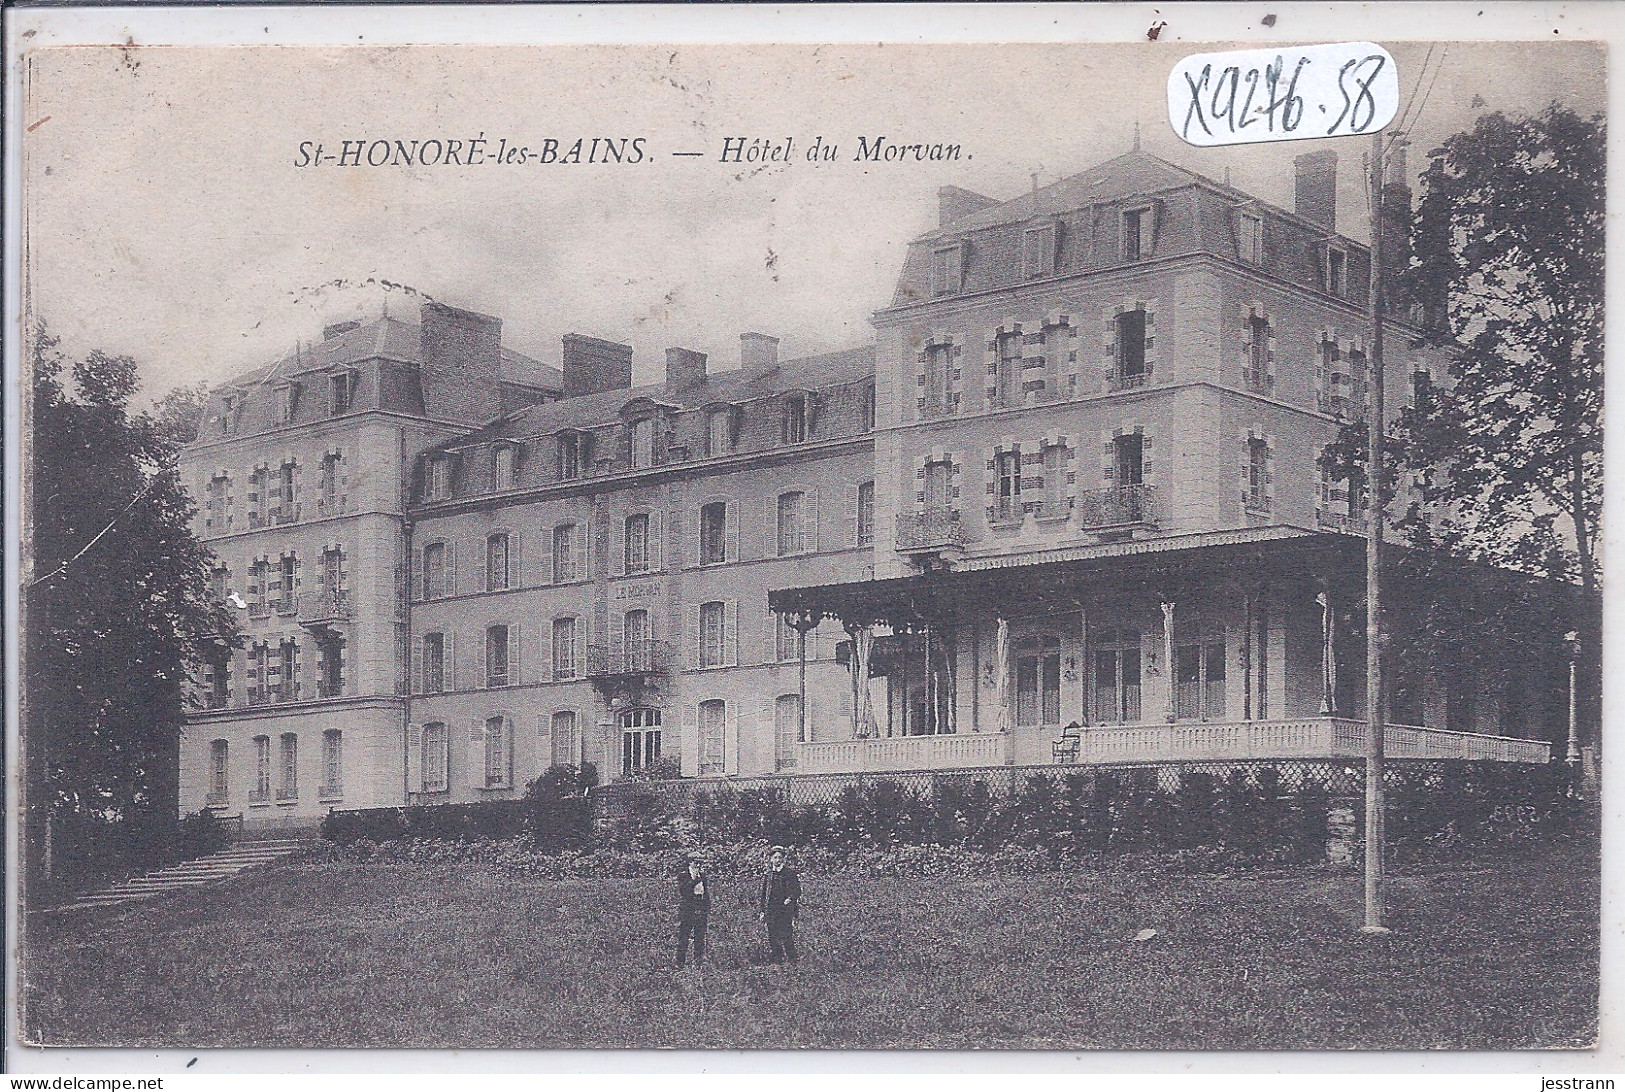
x=758 y=351
x=684 y=368
x=1316 y=197
x=591 y=365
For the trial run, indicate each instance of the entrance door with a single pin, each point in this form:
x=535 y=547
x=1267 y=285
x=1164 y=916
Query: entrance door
x=1117 y=677
x=1199 y=680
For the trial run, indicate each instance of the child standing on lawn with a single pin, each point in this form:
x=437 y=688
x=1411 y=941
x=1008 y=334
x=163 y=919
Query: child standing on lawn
x=693 y=909
x=781 y=898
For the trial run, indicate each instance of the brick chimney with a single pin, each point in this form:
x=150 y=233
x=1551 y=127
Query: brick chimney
x=1396 y=224
x=954 y=203
x=462 y=357
x=758 y=351
x=684 y=368
x=1316 y=197
x=591 y=365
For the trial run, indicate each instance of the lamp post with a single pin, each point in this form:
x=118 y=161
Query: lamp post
x=1571 y=641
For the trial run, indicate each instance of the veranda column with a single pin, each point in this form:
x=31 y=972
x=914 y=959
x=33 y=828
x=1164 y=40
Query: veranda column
x=1246 y=654
x=1168 y=661
x=1001 y=667
x=1328 y=656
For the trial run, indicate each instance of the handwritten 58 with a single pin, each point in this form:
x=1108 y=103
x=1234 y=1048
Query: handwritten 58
x=1299 y=93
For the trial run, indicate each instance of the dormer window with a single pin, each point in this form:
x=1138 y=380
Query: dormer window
x=1137 y=233
x=439 y=482
x=502 y=461
x=1337 y=271
x=287 y=396
x=1250 y=239
x=341 y=393
x=231 y=408
x=1038 y=252
x=798 y=418
x=719 y=430
x=948 y=270
x=574 y=455
x=867 y=408
x=644 y=433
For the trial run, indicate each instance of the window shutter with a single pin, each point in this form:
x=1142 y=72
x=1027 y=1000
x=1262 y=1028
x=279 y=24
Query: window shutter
x=342 y=465
x=767 y=728
x=849 y=518
x=730 y=520
x=730 y=740
x=545 y=665
x=691 y=742
x=806 y=727
x=544 y=741
x=730 y=634
x=693 y=539
x=809 y=526
x=693 y=639
x=451 y=567
x=449 y=670
x=479 y=571
x=484 y=654
x=770 y=637
x=657 y=560
x=515 y=644
x=582 y=631
x=544 y=558
x=770 y=529
x=293 y=683
x=587 y=548
x=414 y=758
x=476 y=755
x=516 y=561
x=417 y=564
x=617 y=548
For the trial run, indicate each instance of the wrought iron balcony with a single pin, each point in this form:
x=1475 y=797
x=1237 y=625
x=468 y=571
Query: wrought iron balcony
x=325 y=607
x=637 y=658
x=931 y=531
x=1123 y=506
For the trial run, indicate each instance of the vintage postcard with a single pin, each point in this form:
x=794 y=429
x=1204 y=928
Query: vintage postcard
x=872 y=543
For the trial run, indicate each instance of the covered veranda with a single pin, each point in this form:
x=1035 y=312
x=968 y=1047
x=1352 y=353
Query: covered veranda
x=1237 y=645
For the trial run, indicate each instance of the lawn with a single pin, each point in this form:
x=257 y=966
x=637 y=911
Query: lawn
x=1486 y=955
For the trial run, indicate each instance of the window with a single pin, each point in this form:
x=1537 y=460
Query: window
x=219 y=582
x=719 y=432
x=496 y=563
x=341 y=388
x=216 y=517
x=797 y=419
x=1054 y=501
x=1038 y=252
x=1258 y=472
x=332 y=763
x=333 y=572
x=1117 y=677
x=1136 y=234
x=434 y=663
x=564 y=739
x=439 y=477
x=330 y=665
x=939 y=363
x=216 y=688
x=714 y=533
x=791 y=525
x=262 y=770
x=713 y=734
x=938 y=476
x=289 y=787
x=1421 y=388
x=787 y=728
x=496 y=655
x=1128 y=453
x=572 y=455
x=287 y=508
x=1131 y=346
x=1007 y=372
x=1007 y=472
x=637 y=543
x=217 y=772
x=501 y=467
x=643 y=442
x=866 y=514
x=1199 y=680
x=1038 y=680
x=564 y=648
x=496 y=752
x=434 y=570
x=1258 y=352
x=259 y=496
x=786 y=640
x=230 y=409
x=288 y=671
x=713 y=634
x=288 y=570
x=435 y=748
x=1337 y=276
x=636 y=643
x=566 y=556
x=1250 y=239
x=640 y=738
x=259 y=579
x=866 y=419
x=328 y=503
x=947 y=271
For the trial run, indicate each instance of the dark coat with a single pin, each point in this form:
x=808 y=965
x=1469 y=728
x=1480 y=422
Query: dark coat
x=781 y=894
x=693 y=895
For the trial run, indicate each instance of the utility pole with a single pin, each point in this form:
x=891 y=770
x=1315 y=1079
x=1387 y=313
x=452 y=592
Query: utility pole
x=1374 y=819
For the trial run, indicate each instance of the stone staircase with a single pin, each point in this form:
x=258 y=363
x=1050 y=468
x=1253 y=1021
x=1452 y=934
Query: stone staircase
x=194 y=873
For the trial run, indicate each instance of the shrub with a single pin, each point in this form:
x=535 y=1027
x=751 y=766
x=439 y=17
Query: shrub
x=558 y=808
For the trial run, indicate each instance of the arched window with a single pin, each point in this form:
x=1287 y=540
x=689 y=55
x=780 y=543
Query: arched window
x=564 y=738
x=289 y=788
x=262 y=770
x=496 y=561
x=435 y=745
x=564 y=648
x=636 y=642
x=637 y=543
x=714 y=533
x=434 y=570
x=496 y=655
x=792 y=523
x=566 y=554
x=640 y=738
x=332 y=763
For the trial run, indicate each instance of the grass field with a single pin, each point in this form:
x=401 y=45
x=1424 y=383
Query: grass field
x=1494 y=955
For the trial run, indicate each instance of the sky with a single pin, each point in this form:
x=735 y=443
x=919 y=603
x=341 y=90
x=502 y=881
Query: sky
x=166 y=216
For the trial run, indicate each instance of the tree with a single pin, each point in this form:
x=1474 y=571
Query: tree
x=118 y=610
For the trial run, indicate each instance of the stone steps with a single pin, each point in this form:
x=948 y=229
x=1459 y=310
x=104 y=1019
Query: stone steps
x=196 y=873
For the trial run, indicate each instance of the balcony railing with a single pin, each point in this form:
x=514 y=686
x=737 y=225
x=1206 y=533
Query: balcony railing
x=932 y=529
x=1123 y=506
x=961 y=750
x=328 y=606
x=648 y=657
